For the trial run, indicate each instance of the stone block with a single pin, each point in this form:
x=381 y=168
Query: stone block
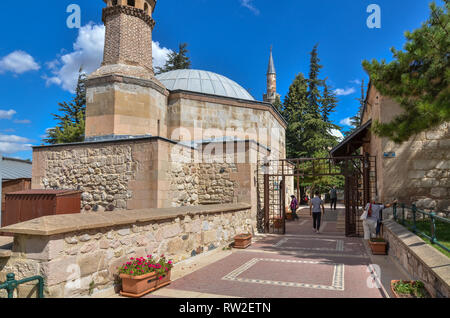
x=209 y=237
x=439 y=192
x=42 y=248
x=170 y=231
x=175 y=246
x=91 y=263
x=59 y=270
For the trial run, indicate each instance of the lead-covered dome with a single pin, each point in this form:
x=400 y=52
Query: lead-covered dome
x=203 y=82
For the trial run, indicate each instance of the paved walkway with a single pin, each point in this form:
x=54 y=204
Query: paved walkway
x=300 y=264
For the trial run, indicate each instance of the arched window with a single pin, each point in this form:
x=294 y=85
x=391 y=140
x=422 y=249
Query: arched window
x=131 y=3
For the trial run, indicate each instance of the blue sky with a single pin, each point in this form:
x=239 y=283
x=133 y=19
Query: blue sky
x=39 y=54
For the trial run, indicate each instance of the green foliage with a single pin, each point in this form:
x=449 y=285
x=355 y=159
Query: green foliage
x=307 y=112
x=356 y=121
x=278 y=105
x=176 y=60
x=417 y=78
x=415 y=289
x=307 y=109
x=71 y=122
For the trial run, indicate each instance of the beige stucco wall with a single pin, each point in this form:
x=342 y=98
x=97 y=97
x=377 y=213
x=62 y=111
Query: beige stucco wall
x=420 y=171
x=196 y=117
x=125 y=109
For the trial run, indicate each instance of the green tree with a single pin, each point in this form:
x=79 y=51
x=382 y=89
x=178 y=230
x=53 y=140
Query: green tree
x=278 y=105
x=417 y=78
x=176 y=60
x=71 y=123
x=356 y=121
x=307 y=109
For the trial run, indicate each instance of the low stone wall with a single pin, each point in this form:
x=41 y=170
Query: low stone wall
x=422 y=261
x=79 y=254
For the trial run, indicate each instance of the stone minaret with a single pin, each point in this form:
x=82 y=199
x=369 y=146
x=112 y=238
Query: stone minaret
x=271 y=94
x=124 y=99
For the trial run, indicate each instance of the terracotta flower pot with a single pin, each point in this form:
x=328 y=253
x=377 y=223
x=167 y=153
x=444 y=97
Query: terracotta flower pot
x=163 y=281
x=378 y=248
x=289 y=216
x=137 y=286
x=397 y=295
x=242 y=241
x=278 y=223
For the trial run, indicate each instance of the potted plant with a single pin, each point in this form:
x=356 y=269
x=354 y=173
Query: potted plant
x=409 y=289
x=242 y=241
x=141 y=276
x=278 y=223
x=378 y=246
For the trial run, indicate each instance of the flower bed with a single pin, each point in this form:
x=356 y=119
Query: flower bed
x=141 y=276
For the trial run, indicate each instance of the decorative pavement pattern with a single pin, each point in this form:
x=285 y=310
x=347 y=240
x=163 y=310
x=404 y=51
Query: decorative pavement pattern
x=338 y=275
x=300 y=264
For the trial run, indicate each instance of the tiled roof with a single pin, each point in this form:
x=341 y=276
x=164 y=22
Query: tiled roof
x=11 y=169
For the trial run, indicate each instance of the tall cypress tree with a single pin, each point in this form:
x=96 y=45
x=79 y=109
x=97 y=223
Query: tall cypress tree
x=71 y=122
x=176 y=60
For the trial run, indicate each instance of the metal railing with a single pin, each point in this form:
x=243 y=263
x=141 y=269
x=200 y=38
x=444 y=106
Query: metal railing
x=11 y=284
x=433 y=217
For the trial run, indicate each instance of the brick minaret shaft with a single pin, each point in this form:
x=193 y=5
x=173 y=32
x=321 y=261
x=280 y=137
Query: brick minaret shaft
x=271 y=94
x=128 y=37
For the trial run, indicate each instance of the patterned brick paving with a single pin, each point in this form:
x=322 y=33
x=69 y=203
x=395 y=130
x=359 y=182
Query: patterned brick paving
x=301 y=264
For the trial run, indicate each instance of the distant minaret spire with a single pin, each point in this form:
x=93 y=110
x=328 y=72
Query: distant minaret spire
x=271 y=94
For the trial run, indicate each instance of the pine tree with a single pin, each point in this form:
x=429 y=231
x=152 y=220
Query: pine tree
x=356 y=121
x=71 y=124
x=176 y=60
x=329 y=102
x=418 y=78
x=278 y=105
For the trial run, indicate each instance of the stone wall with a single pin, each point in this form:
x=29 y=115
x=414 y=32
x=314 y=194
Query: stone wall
x=102 y=171
x=78 y=259
x=420 y=171
x=421 y=261
x=216 y=185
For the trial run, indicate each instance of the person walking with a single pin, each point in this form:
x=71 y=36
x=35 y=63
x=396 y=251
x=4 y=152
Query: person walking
x=316 y=209
x=372 y=215
x=333 y=197
x=294 y=206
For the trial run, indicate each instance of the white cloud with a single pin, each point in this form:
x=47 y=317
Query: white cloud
x=10 y=147
x=344 y=92
x=346 y=122
x=7 y=114
x=160 y=54
x=14 y=139
x=10 y=144
x=88 y=53
x=249 y=5
x=22 y=121
x=18 y=62
x=338 y=134
x=356 y=81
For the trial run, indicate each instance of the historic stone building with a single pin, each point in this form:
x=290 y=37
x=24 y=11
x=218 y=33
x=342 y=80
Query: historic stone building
x=416 y=171
x=186 y=137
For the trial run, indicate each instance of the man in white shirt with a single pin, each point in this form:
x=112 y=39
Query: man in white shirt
x=315 y=210
x=373 y=216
